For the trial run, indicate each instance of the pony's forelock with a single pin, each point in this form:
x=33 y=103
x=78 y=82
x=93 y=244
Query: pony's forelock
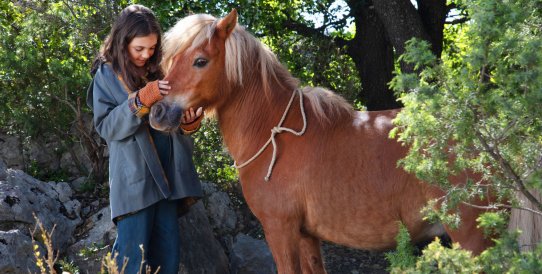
x=194 y=30
x=186 y=33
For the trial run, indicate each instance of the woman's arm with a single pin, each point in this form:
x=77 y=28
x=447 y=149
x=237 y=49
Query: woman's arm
x=113 y=121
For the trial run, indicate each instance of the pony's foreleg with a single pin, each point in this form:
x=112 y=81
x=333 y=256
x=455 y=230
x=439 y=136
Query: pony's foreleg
x=311 y=257
x=284 y=242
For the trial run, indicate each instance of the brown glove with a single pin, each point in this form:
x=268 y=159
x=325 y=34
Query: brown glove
x=193 y=126
x=150 y=94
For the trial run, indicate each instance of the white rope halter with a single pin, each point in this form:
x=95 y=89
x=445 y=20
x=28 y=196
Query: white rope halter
x=276 y=130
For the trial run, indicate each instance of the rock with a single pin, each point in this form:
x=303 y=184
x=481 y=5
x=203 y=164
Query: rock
x=73 y=209
x=251 y=256
x=64 y=191
x=3 y=170
x=16 y=253
x=97 y=230
x=85 y=211
x=68 y=164
x=98 y=236
x=219 y=209
x=79 y=183
x=11 y=151
x=200 y=251
x=43 y=153
x=21 y=196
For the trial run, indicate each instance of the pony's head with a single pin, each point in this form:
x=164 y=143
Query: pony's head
x=194 y=60
x=206 y=60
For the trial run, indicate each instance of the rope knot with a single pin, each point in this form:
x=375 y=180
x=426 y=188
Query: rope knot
x=276 y=130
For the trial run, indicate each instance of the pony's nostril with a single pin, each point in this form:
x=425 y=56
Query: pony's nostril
x=158 y=112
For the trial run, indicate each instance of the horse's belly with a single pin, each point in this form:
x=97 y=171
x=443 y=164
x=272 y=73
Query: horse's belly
x=367 y=216
x=375 y=235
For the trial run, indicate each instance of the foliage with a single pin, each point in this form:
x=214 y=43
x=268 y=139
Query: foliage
x=212 y=162
x=439 y=259
x=403 y=257
x=68 y=267
x=44 y=59
x=46 y=175
x=93 y=249
x=45 y=262
x=481 y=104
x=504 y=257
x=44 y=63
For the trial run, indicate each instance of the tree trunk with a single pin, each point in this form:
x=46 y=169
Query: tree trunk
x=433 y=14
x=382 y=29
x=372 y=53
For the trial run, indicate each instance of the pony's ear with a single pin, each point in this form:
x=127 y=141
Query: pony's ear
x=227 y=24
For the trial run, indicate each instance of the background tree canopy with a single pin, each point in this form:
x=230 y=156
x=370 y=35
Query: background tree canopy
x=481 y=102
x=349 y=46
x=470 y=82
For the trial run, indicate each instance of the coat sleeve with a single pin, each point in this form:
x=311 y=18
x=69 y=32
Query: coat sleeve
x=113 y=120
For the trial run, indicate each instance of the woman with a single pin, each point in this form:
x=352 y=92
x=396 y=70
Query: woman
x=151 y=174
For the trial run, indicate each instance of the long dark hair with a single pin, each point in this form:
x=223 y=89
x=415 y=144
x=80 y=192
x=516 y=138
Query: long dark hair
x=133 y=21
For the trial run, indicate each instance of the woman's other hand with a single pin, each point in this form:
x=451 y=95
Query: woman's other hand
x=190 y=115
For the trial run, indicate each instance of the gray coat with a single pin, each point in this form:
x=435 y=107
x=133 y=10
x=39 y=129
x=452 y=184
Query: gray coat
x=136 y=177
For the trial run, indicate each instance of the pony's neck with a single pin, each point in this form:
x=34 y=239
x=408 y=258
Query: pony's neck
x=247 y=119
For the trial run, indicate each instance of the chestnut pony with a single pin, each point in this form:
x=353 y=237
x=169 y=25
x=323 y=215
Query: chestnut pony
x=332 y=171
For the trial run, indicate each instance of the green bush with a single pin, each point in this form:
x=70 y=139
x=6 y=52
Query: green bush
x=403 y=257
x=481 y=104
x=213 y=163
x=504 y=257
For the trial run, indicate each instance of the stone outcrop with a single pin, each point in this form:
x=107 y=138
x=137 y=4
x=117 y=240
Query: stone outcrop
x=251 y=256
x=23 y=200
x=209 y=234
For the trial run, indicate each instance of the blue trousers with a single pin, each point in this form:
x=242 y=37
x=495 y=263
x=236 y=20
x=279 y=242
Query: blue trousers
x=157 y=229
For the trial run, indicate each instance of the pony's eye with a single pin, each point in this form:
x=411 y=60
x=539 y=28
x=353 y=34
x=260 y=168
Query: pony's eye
x=200 y=62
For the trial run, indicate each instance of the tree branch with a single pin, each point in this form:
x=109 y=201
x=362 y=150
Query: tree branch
x=505 y=166
x=309 y=32
x=457 y=21
x=507 y=169
x=70 y=8
x=499 y=206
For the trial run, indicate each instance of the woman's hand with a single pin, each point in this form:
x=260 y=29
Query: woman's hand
x=164 y=87
x=190 y=115
x=154 y=91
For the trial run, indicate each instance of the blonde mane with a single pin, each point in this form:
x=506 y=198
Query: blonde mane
x=194 y=30
x=183 y=36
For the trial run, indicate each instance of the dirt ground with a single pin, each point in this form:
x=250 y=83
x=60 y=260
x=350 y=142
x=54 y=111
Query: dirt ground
x=343 y=260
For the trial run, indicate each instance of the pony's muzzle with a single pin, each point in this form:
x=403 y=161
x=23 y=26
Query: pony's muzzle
x=165 y=117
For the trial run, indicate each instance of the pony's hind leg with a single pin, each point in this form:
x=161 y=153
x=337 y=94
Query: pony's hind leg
x=311 y=257
x=468 y=235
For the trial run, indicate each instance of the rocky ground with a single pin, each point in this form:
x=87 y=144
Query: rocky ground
x=343 y=260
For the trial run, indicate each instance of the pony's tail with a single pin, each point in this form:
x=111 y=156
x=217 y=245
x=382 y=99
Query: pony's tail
x=529 y=223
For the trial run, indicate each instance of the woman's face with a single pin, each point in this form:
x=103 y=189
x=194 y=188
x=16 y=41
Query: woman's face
x=141 y=49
